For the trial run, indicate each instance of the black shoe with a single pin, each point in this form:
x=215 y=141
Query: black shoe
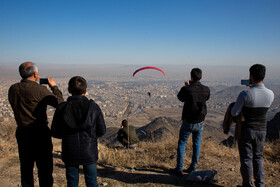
x=190 y=169
x=176 y=172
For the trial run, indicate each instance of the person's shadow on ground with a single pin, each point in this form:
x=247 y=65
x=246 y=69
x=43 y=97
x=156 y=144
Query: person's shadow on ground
x=142 y=176
x=157 y=176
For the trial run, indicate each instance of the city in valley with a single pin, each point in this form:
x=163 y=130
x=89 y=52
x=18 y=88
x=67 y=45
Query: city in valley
x=149 y=102
x=121 y=96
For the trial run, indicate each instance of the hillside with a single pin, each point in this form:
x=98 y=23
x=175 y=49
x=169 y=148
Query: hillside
x=148 y=165
x=155 y=131
x=161 y=128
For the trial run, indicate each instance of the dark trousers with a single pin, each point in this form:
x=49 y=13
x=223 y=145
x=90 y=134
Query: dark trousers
x=35 y=145
x=250 y=147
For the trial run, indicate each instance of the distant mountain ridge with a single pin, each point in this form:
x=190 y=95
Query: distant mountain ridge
x=229 y=92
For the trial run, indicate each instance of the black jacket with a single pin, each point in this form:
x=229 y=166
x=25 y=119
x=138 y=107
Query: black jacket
x=194 y=97
x=78 y=122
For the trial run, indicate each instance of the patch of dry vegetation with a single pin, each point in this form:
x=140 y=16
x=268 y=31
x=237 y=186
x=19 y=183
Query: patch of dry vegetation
x=157 y=157
x=213 y=156
x=272 y=151
x=7 y=130
x=146 y=155
x=7 y=138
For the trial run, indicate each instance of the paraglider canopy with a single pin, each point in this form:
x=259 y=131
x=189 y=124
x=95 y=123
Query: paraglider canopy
x=148 y=67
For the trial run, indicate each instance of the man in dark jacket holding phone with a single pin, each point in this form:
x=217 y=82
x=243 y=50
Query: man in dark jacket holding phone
x=29 y=102
x=79 y=121
x=194 y=95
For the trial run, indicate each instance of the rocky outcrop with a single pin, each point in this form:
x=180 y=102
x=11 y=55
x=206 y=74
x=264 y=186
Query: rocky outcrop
x=229 y=142
x=159 y=129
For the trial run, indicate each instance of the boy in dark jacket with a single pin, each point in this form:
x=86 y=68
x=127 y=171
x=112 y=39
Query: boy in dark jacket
x=79 y=121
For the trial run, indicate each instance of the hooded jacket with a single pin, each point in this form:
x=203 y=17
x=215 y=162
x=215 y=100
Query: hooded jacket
x=78 y=122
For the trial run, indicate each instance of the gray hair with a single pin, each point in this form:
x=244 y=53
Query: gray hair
x=27 y=71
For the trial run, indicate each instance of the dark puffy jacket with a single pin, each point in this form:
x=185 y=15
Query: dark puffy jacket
x=78 y=122
x=194 y=97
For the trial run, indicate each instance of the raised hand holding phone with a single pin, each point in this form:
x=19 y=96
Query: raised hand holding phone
x=51 y=82
x=246 y=82
x=187 y=82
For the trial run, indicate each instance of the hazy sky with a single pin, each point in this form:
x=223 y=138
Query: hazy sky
x=205 y=32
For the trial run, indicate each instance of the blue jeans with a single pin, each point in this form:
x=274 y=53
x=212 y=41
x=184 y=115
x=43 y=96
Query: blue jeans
x=250 y=147
x=186 y=130
x=90 y=172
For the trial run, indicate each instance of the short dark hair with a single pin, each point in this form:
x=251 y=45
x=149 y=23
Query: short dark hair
x=27 y=71
x=196 y=74
x=258 y=72
x=124 y=123
x=77 y=85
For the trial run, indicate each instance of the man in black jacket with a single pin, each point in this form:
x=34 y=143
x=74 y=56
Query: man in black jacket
x=194 y=95
x=79 y=122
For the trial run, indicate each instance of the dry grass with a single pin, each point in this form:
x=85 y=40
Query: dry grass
x=7 y=130
x=7 y=137
x=213 y=156
x=146 y=155
x=160 y=154
x=156 y=157
x=272 y=151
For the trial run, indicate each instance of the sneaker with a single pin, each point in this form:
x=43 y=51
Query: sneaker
x=190 y=169
x=176 y=172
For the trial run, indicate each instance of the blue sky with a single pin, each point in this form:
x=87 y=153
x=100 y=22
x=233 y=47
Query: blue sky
x=203 y=32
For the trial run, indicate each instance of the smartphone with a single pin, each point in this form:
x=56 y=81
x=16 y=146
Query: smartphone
x=245 y=82
x=43 y=81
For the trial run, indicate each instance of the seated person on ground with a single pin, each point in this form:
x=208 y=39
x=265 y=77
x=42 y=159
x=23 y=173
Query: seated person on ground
x=127 y=135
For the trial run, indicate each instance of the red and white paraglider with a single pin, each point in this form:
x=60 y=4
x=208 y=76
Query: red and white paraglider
x=148 y=67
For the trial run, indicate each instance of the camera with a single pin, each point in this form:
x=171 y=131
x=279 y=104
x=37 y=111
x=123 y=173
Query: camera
x=43 y=81
x=245 y=82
